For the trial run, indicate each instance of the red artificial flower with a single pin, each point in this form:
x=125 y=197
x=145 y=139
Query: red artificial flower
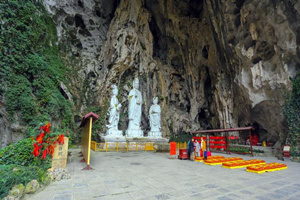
x=67 y=132
x=61 y=139
x=44 y=154
x=36 y=150
x=40 y=138
x=46 y=128
x=51 y=149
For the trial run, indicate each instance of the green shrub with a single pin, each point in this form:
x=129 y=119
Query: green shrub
x=240 y=149
x=18 y=165
x=245 y=150
x=20 y=154
x=258 y=151
x=16 y=174
x=292 y=114
x=182 y=137
x=99 y=124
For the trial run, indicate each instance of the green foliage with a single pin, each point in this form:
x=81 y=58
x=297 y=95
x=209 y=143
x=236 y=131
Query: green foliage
x=15 y=174
x=129 y=84
x=30 y=65
x=182 y=137
x=245 y=150
x=295 y=151
x=258 y=151
x=20 y=154
x=292 y=114
x=99 y=124
x=240 y=149
x=18 y=165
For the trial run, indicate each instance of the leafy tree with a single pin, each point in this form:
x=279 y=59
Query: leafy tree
x=292 y=113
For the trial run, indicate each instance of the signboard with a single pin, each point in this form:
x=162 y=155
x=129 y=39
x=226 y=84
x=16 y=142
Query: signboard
x=86 y=125
x=286 y=151
x=286 y=148
x=60 y=155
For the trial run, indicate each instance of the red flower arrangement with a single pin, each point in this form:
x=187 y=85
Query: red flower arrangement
x=243 y=163
x=221 y=160
x=267 y=167
x=44 y=144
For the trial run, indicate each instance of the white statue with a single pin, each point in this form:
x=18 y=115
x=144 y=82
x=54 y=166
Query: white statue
x=154 y=117
x=114 y=114
x=135 y=111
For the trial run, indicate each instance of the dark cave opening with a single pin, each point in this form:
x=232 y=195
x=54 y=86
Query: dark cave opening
x=79 y=21
x=205 y=52
x=63 y=93
x=70 y=20
x=207 y=88
x=80 y=4
x=159 y=44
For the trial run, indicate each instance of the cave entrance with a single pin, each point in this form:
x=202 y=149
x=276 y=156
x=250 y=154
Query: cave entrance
x=260 y=135
x=225 y=140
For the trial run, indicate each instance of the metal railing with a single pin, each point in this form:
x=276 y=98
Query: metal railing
x=181 y=145
x=122 y=146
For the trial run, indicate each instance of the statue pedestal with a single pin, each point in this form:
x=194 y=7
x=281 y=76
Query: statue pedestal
x=121 y=143
x=154 y=134
x=114 y=132
x=113 y=138
x=134 y=133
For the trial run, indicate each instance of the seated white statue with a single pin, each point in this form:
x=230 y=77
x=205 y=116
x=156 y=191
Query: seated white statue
x=154 y=117
x=114 y=113
x=135 y=111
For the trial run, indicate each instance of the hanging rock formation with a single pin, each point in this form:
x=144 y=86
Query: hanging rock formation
x=212 y=63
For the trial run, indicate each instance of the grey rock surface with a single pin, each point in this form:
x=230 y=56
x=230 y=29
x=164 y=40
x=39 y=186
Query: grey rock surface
x=17 y=192
x=32 y=187
x=211 y=63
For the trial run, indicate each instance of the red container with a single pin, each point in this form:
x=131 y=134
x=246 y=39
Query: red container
x=183 y=154
x=172 y=148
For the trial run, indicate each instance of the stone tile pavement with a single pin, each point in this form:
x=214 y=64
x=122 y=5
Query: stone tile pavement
x=149 y=175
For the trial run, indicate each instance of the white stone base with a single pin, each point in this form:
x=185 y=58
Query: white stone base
x=134 y=133
x=154 y=134
x=113 y=138
x=110 y=132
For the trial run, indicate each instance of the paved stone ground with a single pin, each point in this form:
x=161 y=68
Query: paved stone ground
x=149 y=175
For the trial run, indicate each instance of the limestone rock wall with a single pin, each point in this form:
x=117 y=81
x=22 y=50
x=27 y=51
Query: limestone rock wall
x=212 y=63
x=82 y=29
x=260 y=40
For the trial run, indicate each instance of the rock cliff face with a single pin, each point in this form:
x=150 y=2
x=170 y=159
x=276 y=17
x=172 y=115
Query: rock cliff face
x=212 y=63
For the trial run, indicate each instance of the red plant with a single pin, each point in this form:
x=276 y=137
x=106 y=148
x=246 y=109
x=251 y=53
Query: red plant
x=46 y=144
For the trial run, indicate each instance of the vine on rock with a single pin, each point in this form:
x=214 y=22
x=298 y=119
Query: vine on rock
x=292 y=113
x=31 y=69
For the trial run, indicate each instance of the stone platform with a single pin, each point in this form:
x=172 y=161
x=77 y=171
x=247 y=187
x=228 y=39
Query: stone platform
x=112 y=143
x=148 y=175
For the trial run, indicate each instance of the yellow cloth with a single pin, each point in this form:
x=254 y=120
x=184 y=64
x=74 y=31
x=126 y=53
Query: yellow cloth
x=203 y=145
